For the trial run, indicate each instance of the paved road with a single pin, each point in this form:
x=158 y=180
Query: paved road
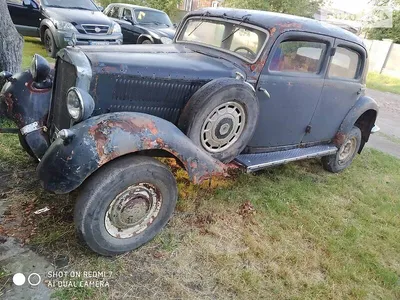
x=388 y=139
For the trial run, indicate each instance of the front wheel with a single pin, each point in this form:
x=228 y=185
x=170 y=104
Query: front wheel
x=50 y=43
x=125 y=204
x=344 y=157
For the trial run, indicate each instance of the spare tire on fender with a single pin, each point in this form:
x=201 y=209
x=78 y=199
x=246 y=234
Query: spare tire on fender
x=221 y=117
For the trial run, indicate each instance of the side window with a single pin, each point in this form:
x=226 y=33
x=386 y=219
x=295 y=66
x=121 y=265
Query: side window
x=113 y=12
x=345 y=63
x=127 y=13
x=18 y=2
x=298 y=56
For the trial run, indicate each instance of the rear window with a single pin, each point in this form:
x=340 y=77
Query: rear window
x=345 y=63
x=298 y=57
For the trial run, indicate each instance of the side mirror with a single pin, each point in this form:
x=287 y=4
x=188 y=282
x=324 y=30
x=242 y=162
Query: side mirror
x=101 y=8
x=27 y=3
x=130 y=20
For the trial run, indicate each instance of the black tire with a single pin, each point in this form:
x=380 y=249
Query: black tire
x=99 y=196
x=146 y=42
x=334 y=163
x=50 y=43
x=25 y=146
x=205 y=101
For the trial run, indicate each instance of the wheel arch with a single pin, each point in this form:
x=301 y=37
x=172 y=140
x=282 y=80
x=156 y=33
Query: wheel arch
x=143 y=37
x=363 y=115
x=46 y=24
x=99 y=140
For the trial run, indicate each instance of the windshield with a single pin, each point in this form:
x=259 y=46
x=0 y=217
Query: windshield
x=72 y=4
x=152 y=17
x=241 y=40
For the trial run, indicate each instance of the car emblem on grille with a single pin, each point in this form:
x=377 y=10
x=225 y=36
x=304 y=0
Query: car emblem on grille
x=97 y=29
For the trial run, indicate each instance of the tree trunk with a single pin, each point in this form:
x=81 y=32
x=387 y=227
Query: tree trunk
x=11 y=43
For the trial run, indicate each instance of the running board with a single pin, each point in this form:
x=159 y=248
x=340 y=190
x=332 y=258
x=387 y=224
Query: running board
x=255 y=162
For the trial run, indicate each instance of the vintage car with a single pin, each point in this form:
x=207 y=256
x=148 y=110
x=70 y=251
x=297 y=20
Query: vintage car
x=250 y=88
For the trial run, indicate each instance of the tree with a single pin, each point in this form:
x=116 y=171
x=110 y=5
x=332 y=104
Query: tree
x=387 y=33
x=11 y=42
x=169 y=6
x=305 y=8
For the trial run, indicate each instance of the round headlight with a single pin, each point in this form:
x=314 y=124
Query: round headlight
x=166 y=40
x=75 y=104
x=40 y=68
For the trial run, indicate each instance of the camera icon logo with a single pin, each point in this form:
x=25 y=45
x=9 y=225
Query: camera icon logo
x=34 y=279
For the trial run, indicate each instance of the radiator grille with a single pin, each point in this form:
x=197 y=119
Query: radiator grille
x=161 y=98
x=65 y=79
x=96 y=29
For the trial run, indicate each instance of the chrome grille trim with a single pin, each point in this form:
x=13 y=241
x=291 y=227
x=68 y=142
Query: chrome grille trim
x=91 y=29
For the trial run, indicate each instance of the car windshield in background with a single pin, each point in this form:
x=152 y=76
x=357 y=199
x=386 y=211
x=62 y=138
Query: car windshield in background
x=70 y=4
x=152 y=17
x=236 y=38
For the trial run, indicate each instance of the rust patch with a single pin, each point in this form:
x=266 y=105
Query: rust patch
x=9 y=103
x=100 y=132
x=290 y=25
x=339 y=139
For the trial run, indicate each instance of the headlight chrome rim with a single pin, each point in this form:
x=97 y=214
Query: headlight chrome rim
x=78 y=94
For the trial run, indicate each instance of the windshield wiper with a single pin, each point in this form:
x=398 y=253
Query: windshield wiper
x=245 y=18
x=202 y=21
x=68 y=7
x=77 y=7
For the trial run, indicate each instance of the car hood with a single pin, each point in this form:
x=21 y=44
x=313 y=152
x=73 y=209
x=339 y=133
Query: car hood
x=158 y=31
x=77 y=16
x=164 y=62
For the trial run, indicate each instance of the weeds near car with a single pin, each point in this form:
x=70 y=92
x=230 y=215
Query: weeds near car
x=383 y=83
x=294 y=231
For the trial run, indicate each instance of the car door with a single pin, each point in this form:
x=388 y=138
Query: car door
x=26 y=18
x=127 y=25
x=342 y=88
x=294 y=77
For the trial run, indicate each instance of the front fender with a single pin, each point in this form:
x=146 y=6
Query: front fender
x=363 y=105
x=101 y=139
x=25 y=105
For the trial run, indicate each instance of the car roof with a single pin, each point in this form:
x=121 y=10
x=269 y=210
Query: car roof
x=132 y=6
x=273 y=21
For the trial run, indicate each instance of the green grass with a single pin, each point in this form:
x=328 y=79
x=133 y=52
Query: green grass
x=314 y=235
x=383 y=83
x=31 y=47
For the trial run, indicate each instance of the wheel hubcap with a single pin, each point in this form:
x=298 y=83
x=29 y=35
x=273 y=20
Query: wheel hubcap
x=133 y=210
x=223 y=127
x=347 y=150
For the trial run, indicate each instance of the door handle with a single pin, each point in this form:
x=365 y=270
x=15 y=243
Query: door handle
x=265 y=92
x=361 y=90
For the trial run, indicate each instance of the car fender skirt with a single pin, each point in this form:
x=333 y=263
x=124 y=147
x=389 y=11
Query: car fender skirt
x=97 y=141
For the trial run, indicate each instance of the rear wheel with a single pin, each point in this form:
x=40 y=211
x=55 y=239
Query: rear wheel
x=344 y=157
x=125 y=204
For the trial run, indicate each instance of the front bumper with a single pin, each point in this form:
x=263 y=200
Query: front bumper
x=64 y=38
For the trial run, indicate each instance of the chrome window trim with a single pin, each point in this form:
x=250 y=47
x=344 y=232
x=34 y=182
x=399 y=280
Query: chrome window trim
x=241 y=23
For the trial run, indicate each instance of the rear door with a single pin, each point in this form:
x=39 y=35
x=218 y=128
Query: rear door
x=294 y=78
x=26 y=19
x=343 y=87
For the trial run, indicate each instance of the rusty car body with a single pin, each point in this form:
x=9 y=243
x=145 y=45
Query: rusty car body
x=265 y=89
